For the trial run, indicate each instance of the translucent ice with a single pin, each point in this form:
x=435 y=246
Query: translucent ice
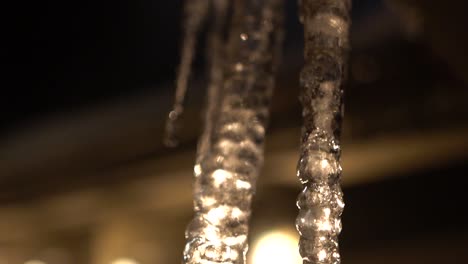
x=230 y=151
x=326 y=26
x=195 y=13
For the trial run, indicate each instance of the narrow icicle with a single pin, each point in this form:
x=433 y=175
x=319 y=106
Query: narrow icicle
x=326 y=25
x=215 y=55
x=195 y=12
x=231 y=149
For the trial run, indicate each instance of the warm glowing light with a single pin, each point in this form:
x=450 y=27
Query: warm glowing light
x=208 y=201
x=324 y=163
x=236 y=212
x=278 y=247
x=124 y=261
x=235 y=240
x=211 y=233
x=216 y=214
x=239 y=67
x=322 y=255
x=34 y=261
x=197 y=170
x=240 y=184
x=220 y=176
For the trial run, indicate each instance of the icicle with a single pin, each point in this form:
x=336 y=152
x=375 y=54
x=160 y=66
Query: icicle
x=195 y=12
x=215 y=55
x=326 y=24
x=228 y=165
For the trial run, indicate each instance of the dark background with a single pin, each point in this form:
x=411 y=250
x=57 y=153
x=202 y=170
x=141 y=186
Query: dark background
x=85 y=88
x=61 y=55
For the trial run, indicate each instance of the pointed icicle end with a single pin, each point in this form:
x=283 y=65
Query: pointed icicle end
x=171 y=135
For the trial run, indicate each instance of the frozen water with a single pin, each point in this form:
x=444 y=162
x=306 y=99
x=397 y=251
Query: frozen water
x=326 y=26
x=195 y=13
x=230 y=151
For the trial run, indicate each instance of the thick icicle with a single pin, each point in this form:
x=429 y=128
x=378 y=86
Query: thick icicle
x=326 y=24
x=226 y=171
x=195 y=12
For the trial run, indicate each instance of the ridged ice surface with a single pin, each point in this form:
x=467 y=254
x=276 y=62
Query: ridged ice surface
x=230 y=151
x=326 y=25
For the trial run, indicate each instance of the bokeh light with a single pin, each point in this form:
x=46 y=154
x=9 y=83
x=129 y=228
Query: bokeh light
x=35 y=261
x=124 y=261
x=276 y=247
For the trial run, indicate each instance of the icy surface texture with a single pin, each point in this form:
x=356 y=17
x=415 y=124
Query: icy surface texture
x=326 y=25
x=195 y=13
x=230 y=151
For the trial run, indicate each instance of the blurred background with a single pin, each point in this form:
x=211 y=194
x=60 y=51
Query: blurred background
x=84 y=178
